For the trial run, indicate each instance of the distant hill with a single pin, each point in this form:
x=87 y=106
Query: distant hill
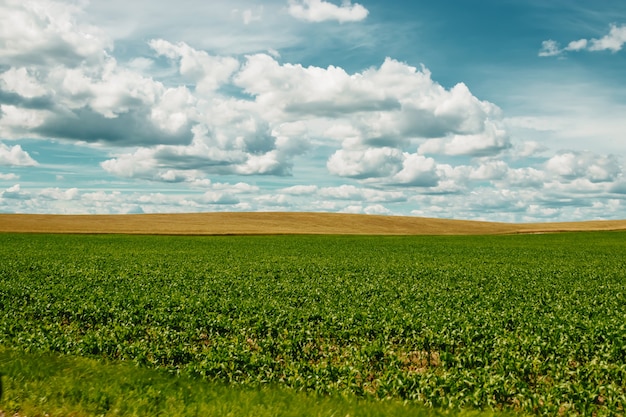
x=279 y=223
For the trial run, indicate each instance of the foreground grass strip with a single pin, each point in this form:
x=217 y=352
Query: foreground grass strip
x=533 y=323
x=45 y=384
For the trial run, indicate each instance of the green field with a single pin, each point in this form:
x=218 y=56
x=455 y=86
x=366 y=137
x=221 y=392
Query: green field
x=528 y=323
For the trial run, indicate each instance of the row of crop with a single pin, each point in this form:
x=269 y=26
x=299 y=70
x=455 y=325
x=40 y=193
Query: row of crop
x=528 y=323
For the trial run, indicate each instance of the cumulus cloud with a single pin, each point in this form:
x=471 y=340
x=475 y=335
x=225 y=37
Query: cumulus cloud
x=378 y=209
x=182 y=116
x=386 y=166
x=300 y=190
x=394 y=101
x=22 y=86
x=613 y=41
x=417 y=170
x=15 y=156
x=127 y=129
x=47 y=32
x=530 y=148
x=181 y=133
x=375 y=113
x=321 y=10
x=296 y=91
x=15 y=192
x=203 y=156
x=526 y=177
x=354 y=193
x=584 y=165
x=492 y=140
x=216 y=197
x=577 y=45
x=60 y=80
x=491 y=170
x=100 y=104
x=165 y=163
x=367 y=163
x=59 y=194
x=207 y=72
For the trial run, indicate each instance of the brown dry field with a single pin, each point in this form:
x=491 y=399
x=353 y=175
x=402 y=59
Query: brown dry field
x=279 y=223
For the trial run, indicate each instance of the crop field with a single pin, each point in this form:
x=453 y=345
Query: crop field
x=234 y=223
x=525 y=323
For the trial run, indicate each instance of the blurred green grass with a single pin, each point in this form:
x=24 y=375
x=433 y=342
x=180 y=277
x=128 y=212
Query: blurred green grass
x=44 y=384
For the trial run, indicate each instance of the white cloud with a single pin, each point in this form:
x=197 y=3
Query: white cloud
x=47 y=32
x=291 y=90
x=378 y=209
x=63 y=82
x=321 y=10
x=493 y=140
x=385 y=165
x=529 y=148
x=300 y=190
x=613 y=41
x=354 y=193
x=526 y=177
x=550 y=48
x=184 y=132
x=15 y=193
x=192 y=163
x=352 y=209
x=376 y=113
x=238 y=188
x=20 y=81
x=206 y=71
x=139 y=164
x=535 y=210
x=18 y=122
x=584 y=165
x=577 y=45
x=393 y=102
x=175 y=109
x=491 y=170
x=59 y=194
x=109 y=91
x=418 y=171
x=368 y=163
x=105 y=103
x=342 y=192
x=271 y=163
x=9 y=177
x=213 y=197
x=15 y=156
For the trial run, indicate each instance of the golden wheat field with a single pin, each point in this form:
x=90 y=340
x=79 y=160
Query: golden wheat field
x=279 y=223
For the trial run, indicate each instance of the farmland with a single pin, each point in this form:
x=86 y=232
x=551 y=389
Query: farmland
x=234 y=223
x=530 y=323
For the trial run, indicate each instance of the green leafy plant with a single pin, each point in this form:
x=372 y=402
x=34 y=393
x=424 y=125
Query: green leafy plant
x=532 y=323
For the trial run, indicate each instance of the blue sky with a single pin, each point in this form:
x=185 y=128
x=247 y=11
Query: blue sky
x=503 y=110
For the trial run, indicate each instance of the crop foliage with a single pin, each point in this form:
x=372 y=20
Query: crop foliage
x=532 y=323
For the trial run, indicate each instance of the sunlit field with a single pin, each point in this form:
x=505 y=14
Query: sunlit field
x=519 y=323
x=233 y=223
